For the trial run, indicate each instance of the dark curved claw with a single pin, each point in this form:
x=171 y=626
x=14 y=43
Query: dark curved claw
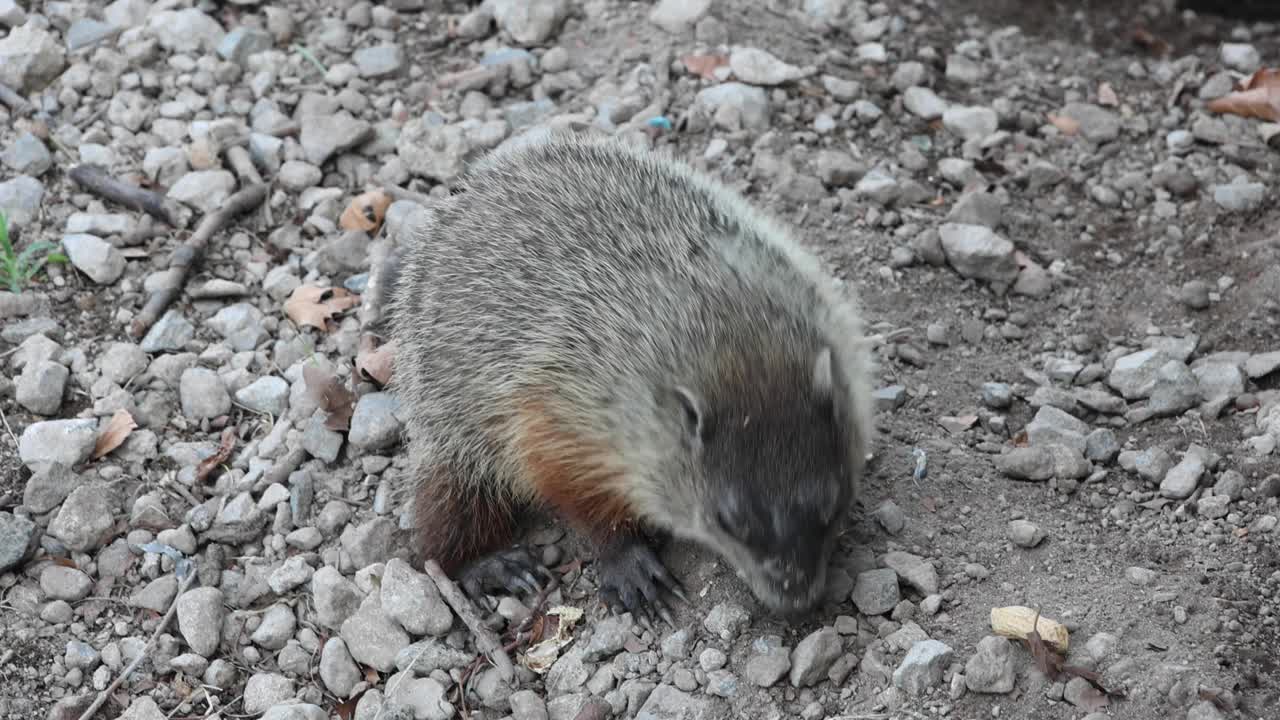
x=633 y=579
x=511 y=571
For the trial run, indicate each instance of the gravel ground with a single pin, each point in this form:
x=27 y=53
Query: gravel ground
x=1079 y=416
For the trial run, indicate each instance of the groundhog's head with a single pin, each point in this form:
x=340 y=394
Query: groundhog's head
x=769 y=470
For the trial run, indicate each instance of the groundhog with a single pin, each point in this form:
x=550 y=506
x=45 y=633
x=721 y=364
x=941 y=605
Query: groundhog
x=602 y=331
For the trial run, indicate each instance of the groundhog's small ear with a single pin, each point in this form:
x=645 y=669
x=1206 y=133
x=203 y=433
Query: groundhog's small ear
x=697 y=421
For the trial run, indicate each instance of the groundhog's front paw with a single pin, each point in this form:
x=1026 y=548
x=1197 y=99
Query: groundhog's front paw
x=632 y=578
x=513 y=571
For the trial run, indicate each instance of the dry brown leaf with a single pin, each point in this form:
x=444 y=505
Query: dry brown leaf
x=704 y=65
x=332 y=397
x=114 y=434
x=1051 y=665
x=1257 y=97
x=315 y=306
x=1065 y=125
x=1107 y=95
x=221 y=455
x=1045 y=658
x=1150 y=42
x=366 y=212
x=375 y=364
x=1214 y=696
x=347 y=708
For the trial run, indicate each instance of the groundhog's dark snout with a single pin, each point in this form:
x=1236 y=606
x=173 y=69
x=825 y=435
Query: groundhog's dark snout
x=797 y=579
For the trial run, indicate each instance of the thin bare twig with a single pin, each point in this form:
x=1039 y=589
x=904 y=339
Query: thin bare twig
x=486 y=641
x=16 y=102
x=146 y=650
x=243 y=165
x=8 y=429
x=190 y=253
x=98 y=181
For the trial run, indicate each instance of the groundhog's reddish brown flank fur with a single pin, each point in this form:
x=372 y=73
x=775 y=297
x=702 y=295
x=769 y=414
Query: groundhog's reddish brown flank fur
x=600 y=330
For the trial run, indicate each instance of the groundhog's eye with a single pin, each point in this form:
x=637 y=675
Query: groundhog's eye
x=726 y=523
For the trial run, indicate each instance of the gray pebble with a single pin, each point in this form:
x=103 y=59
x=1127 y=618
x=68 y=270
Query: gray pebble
x=923 y=103
x=200 y=615
x=769 y=661
x=84 y=522
x=264 y=691
x=726 y=620
x=1239 y=197
x=17 y=540
x=1026 y=463
x=410 y=598
x=203 y=394
x=814 y=656
x=978 y=252
x=40 y=387
x=374 y=425
x=876 y=591
x=1183 y=478
x=268 y=395
x=991 y=669
x=27 y=155
x=922 y=668
x=1025 y=534
x=1097 y=124
x=170 y=333
x=373 y=638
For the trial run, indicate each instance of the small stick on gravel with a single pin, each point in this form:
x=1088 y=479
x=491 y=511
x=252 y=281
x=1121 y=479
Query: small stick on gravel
x=96 y=180
x=16 y=102
x=486 y=641
x=146 y=650
x=240 y=162
x=190 y=252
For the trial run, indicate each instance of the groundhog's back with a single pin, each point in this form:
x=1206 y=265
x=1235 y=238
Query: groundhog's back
x=598 y=272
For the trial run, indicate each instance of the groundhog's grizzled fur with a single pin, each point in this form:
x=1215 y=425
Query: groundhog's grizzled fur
x=602 y=331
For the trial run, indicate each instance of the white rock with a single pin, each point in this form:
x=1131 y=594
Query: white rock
x=759 y=67
x=95 y=257
x=1240 y=56
x=678 y=16
x=924 y=103
x=978 y=252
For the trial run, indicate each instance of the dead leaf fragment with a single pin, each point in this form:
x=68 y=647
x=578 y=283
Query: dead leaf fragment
x=332 y=397
x=220 y=456
x=704 y=65
x=366 y=212
x=1051 y=664
x=554 y=634
x=375 y=364
x=1107 y=95
x=1067 y=126
x=114 y=434
x=315 y=306
x=1257 y=97
x=1154 y=45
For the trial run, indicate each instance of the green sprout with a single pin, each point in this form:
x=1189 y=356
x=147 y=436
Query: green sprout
x=17 y=269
